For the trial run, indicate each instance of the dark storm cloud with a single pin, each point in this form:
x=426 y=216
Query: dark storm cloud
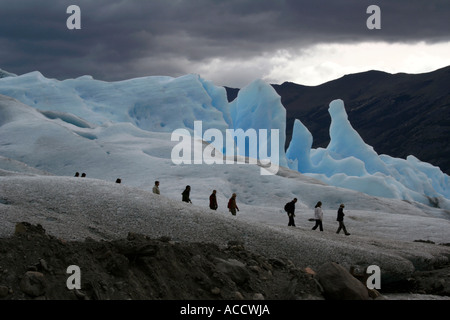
x=123 y=39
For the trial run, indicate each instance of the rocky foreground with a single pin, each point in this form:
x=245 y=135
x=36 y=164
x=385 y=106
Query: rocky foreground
x=34 y=265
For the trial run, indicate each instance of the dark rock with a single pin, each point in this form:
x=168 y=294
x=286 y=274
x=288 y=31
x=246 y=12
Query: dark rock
x=375 y=294
x=33 y=284
x=339 y=284
x=277 y=262
x=233 y=243
x=117 y=264
x=165 y=238
x=142 y=268
x=425 y=241
x=43 y=265
x=215 y=291
x=258 y=296
x=132 y=236
x=435 y=282
x=28 y=228
x=80 y=295
x=235 y=269
x=4 y=291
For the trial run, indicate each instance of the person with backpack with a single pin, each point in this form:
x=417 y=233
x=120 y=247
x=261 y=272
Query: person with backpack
x=290 y=209
x=185 y=194
x=318 y=216
x=232 y=206
x=340 y=219
x=213 y=201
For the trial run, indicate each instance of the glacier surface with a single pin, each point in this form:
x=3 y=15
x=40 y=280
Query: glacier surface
x=99 y=113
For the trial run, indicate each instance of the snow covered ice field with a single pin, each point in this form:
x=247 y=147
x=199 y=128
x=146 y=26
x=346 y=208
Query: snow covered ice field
x=61 y=130
x=165 y=104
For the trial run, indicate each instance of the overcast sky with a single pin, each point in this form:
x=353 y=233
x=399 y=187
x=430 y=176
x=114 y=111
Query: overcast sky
x=228 y=42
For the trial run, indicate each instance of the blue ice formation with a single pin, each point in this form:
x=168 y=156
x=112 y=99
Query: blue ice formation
x=160 y=104
x=350 y=163
x=257 y=107
x=164 y=104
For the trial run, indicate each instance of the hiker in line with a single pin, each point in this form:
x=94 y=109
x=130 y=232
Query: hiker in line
x=77 y=174
x=318 y=216
x=185 y=194
x=213 y=201
x=118 y=180
x=232 y=206
x=340 y=219
x=290 y=209
x=156 y=187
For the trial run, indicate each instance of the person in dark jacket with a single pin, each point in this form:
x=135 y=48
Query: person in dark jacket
x=340 y=219
x=290 y=209
x=213 y=201
x=186 y=194
x=232 y=206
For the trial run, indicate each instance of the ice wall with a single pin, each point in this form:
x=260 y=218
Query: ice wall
x=350 y=163
x=160 y=104
x=257 y=107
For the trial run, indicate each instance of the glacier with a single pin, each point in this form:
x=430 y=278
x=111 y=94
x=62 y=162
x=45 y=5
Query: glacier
x=159 y=104
x=258 y=106
x=99 y=113
x=350 y=163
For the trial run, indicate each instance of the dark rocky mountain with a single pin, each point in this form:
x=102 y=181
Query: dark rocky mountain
x=398 y=114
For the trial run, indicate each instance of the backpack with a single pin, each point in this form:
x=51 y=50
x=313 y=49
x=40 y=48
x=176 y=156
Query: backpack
x=229 y=203
x=286 y=207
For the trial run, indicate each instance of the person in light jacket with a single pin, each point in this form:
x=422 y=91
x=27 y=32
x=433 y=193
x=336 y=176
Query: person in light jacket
x=156 y=188
x=318 y=216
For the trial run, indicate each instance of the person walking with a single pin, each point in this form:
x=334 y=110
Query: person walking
x=290 y=209
x=186 y=194
x=156 y=187
x=213 y=200
x=318 y=216
x=232 y=206
x=340 y=219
